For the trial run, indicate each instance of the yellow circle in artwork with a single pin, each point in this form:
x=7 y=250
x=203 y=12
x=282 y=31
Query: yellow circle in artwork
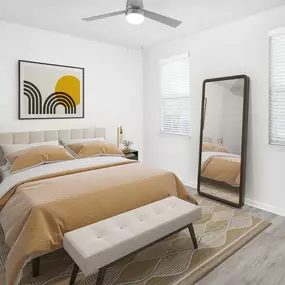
x=71 y=85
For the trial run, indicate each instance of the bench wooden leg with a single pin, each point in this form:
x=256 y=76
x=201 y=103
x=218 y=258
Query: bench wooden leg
x=193 y=236
x=36 y=267
x=100 y=278
x=101 y=275
x=74 y=274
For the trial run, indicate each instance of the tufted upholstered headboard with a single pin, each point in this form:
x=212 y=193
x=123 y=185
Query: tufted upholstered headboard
x=43 y=136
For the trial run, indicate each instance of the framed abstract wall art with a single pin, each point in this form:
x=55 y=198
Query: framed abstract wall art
x=50 y=91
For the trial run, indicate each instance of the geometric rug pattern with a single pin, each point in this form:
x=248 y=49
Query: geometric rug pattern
x=220 y=232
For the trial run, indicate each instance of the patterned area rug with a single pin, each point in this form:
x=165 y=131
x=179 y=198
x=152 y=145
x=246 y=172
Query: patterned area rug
x=221 y=232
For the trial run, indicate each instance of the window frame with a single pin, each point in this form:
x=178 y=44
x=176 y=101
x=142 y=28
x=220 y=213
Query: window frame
x=163 y=97
x=271 y=143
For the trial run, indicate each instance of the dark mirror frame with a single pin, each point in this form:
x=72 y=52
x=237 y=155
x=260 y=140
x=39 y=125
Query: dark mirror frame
x=243 y=139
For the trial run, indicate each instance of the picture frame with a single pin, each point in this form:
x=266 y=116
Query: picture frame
x=50 y=91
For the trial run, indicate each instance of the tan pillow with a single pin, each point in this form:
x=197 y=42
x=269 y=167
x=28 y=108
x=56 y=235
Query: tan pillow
x=86 y=149
x=214 y=147
x=9 y=148
x=37 y=155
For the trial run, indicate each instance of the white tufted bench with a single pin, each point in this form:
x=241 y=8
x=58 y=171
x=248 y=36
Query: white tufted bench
x=99 y=245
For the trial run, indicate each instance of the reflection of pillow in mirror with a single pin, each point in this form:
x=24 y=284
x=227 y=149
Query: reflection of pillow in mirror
x=214 y=147
x=35 y=156
x=87 y=149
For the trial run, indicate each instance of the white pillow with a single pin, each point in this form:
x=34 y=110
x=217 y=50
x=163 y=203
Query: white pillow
x=72 y=141
x=10 y=148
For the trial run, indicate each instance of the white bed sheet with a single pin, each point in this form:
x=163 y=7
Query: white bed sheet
x=208 y=154
x=13 y=179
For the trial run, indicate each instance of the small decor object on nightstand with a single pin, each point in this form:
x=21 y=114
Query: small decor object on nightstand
x=131 y=154
x=127 y=145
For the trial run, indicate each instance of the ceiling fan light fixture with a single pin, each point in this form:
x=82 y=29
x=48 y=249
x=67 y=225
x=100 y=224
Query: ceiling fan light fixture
x=135 y=16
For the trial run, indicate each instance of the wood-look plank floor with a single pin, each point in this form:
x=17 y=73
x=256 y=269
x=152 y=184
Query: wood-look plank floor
x=260 y=262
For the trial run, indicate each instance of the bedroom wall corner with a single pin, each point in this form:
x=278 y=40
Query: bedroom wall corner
x=240 y=47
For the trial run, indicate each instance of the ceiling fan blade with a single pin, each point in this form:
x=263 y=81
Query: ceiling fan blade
x=162 y=19
x=93 y=18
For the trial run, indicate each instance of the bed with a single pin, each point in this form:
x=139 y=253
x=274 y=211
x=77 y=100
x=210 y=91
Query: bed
x=40 y=204
x=221 y=166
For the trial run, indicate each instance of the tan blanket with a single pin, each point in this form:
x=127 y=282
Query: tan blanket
x=41 y=211
x=223 y=168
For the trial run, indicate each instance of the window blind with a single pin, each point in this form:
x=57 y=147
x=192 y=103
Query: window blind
x=174 y=79
x=277 y=89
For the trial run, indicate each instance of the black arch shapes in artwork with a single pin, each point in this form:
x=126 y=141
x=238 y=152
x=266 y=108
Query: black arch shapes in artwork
x=34 y=96
x=62 y=98
x=60 y=101
x=30 y=104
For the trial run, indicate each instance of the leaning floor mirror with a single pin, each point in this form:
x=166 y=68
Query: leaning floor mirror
x=223 y=139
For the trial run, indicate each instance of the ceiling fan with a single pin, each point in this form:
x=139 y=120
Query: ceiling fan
x=135 y=15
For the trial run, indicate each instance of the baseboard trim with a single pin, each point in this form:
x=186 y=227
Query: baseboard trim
x=249 y=202
x=190 y=184
x=265 y=207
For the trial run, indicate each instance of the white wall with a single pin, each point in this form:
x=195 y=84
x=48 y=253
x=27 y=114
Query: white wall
x=232 y=121
x=113 y=80
x=236 y=48
x=223 y=119
x=214 y=112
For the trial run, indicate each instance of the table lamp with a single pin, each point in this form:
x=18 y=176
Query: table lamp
x=120 y=136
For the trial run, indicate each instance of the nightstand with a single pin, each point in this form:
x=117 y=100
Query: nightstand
x=131 y=154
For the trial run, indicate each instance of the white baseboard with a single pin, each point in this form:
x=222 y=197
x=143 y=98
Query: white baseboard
x=249 y=202
x=190 y=184
x=265 y=207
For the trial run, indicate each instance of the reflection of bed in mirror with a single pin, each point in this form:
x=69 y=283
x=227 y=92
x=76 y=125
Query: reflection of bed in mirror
x=220 y=172
x=220 y=165
x=221 y=156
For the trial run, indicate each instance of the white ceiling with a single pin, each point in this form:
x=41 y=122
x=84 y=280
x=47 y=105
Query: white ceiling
x=65 y=16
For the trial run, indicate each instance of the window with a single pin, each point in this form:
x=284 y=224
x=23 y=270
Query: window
x=277 y=88
x=174 y=88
